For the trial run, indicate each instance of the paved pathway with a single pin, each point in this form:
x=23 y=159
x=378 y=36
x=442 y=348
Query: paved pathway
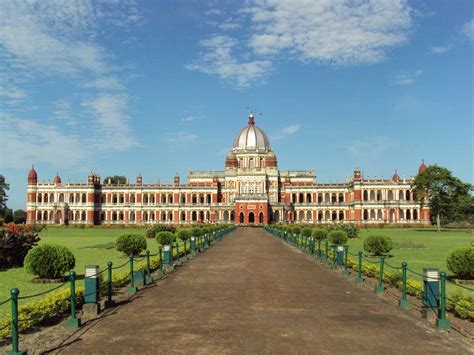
x=251 y=293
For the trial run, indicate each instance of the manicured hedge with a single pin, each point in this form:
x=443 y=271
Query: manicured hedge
x=49 y=261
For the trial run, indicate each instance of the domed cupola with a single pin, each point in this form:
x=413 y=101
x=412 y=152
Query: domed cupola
x=395 y=176
x=231 y=160
x=32 y=176
x=422 y=167
x=57 y=179
x=251 y=137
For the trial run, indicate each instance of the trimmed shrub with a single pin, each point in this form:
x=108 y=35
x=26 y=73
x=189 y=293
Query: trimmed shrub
x=151 y=232
x=306 y=232
x=338 y=237
x=350 y=228
x=319 y=233
x=196 y=232
x=378 y=244
x=49 y=261
x=461 y=263
x=183 y=233
x=165 y=238
x=131 y=244
x=296 y=230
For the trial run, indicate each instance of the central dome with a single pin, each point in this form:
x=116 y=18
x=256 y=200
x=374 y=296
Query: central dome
x=251 y=137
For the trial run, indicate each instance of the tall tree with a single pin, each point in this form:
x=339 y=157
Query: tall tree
x=443 y=191
x=19 y=216
x=3 y=194
x=116 y=179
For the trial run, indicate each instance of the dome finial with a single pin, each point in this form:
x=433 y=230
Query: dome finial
x=251 y=119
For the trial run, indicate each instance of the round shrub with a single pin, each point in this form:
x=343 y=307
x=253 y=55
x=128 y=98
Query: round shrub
x=196 y=232
x=130 y=244
x=49 y=261
x=151 y=232
x=165 y=238
x=183 y=233
x=296 y=230
x=205 y=230
x=378 y=244
x=320 y=233
x=461 y=263
x=306 y=232
x=338 y=237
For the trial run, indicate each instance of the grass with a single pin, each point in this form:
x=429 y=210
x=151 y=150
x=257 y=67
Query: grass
x=418 y=247
x=90 y=246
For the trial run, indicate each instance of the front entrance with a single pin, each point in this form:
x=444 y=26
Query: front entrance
x=251 y=217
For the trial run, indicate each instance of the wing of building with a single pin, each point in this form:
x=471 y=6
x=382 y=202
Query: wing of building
x=251 y=189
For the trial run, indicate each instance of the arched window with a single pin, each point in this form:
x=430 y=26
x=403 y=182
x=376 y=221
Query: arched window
x=308 y=198
x=38 y=216
x=151 y=216
x=201 y=198
x=83 y=217
x=415 y=215
x=145 y=216
x=334 y=215
x=102 y=198
x=84 y=198
x=209 y=199
x=194 y=199
x=341 y=215
x=260 y=218
x=132 y=215
x=251 y=163
x=276 y=216
x=51 y=198
x=152 y=198
x=333 y=198
x=326 y=197
x=327 y=215
x=366 y=215
x=372 y=214
x=379 y=195
x=201 y=215
x=121 y=198
x=183 y=216
x=293 y=198
x=132 y=198
x=121 y=216
x=78 y=216
x=400 y=195
x=145 y=199
x=194 y=216
x=379 y=215
x=163 y=216
x=366 y=195
x=170 y=216
x=45 y=198
x=372 y=195
x=408 y=195
x=390 y=195
x=114 y=216
x=308 y=216
x=320 y=215
x=61 y=197
x=301 y=198
x=320 y=197
x=183 y=198
x=301 y=216
x=226 y=216
x=114 y=198
x=241 y=217
x=341 y=197
x=408 y=215
x=170 y=198
x=40 y=198
x=232 y=216
x=78 y=198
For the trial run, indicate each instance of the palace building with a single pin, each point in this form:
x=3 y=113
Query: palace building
x=250 y=190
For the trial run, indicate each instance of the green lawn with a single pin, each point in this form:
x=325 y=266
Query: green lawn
x=88 y=248
x=431 y=250
x=418 y=247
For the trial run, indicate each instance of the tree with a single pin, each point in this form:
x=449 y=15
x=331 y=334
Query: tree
x=19 y=216
x=116 y=179
x=3 y=195
x=443 y=191
x=7 y=215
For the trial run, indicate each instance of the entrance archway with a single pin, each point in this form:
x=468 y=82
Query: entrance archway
x=251 y=217
x=241 y=217
x=260 y=218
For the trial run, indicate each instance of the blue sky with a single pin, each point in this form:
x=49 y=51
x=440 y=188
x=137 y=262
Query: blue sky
x=159 y=87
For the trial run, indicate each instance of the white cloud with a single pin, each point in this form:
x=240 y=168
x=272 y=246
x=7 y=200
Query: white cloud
x=406 y=78
x=337 y=32
x=26 y=141
x=345 y=32
x=109 y=112
x=217 y=59
x=62 y=41
x=190 y=118
x=370 y=148
x=181 y=137
x=441 y=49
x=213 y=12
x=286 y=131
x=468 y=30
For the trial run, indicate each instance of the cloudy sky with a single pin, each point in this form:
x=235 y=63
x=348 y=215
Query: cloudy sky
x=153 y=87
